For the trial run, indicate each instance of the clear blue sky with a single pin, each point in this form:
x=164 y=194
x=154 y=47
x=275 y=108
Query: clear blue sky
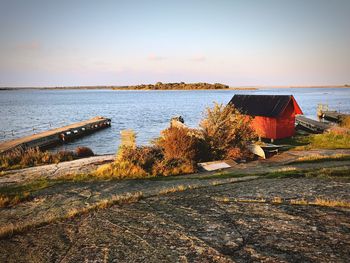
x=58 y=43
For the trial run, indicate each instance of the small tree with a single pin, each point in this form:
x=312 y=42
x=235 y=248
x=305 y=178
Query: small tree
x=226 y=131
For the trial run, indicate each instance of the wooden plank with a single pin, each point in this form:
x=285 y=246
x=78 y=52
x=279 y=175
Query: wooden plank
x=333 y=116
x=312 y=125
x=57 y=135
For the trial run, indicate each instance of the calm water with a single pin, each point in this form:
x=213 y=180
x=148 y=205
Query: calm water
x=146 y=112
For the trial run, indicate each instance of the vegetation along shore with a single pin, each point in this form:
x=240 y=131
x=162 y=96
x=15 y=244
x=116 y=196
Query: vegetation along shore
x=147 y=199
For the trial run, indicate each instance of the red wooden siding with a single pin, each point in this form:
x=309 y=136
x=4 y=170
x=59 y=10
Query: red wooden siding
x=265 y=127
x=278 y=128
x=286 y=123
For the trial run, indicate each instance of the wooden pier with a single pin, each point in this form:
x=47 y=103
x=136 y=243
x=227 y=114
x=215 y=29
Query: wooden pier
x=57 y=136
x=323 y=112
x=333 y=116
x=312 y=125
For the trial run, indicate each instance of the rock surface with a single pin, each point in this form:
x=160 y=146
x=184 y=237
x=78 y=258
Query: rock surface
x=200 y=225
x=226 y=219
x=83 y=165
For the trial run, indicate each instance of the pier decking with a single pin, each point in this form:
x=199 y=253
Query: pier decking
x=330 y=115
x=311 y=125
x=333 y=116
x=58 y=135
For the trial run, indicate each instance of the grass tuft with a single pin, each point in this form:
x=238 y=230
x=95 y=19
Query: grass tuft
x=179 y=188
x=322 y=158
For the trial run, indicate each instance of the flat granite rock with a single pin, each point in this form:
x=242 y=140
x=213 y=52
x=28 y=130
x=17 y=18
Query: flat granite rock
x=200 y=225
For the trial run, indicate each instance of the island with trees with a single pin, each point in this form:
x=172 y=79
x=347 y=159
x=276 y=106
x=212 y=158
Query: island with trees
x=174 y=86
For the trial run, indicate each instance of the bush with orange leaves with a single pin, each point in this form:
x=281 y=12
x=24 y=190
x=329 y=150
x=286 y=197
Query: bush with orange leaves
x=183 y=143
x=224 y=134
x=82 y=151
x=226 y=131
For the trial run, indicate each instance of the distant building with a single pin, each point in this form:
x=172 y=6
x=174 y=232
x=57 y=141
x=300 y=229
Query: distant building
x=274 y=115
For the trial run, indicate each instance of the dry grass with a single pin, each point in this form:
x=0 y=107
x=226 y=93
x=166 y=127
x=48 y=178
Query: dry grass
x=321 y=202
x=118 y=199
x=280 y=201
x=13 y=195
x=240 y=200
x=299 y=202
x=322 y=158
x=120 y=170
x=287 y=169
x=226 y=199
x=345 y=122
x=248 y=200
x=173 y=167
x=215 y=183
x=20 y=158
x=277 y=200
x=143 y=162
x=179 y=188
x=105 y=203
x=330 y=203
x=11 y=200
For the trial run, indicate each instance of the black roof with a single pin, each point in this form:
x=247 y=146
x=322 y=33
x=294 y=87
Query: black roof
x=261 y=105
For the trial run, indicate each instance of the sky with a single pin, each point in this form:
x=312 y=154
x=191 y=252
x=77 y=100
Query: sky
x=236 y=42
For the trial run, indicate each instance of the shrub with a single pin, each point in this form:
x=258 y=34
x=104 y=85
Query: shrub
x=11 y=158
x=144 y=156
x=83 y=151
x=144 y=161
x=183 y=143
x=224 y=133
x=31 y=157
x=225 y=130
x=63 y=156
x=121 y=170
x=21 y=158
x=173 y=167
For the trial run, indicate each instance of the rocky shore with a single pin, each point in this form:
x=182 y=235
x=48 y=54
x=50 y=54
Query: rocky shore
x=237 y=215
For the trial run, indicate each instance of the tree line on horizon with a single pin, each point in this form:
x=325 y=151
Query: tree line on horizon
x=175 y=86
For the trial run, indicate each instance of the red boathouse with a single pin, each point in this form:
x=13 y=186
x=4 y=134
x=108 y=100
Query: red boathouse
x=273 y=115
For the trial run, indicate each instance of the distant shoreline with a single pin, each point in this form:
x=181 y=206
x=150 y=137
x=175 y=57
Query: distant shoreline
x=126 y=88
